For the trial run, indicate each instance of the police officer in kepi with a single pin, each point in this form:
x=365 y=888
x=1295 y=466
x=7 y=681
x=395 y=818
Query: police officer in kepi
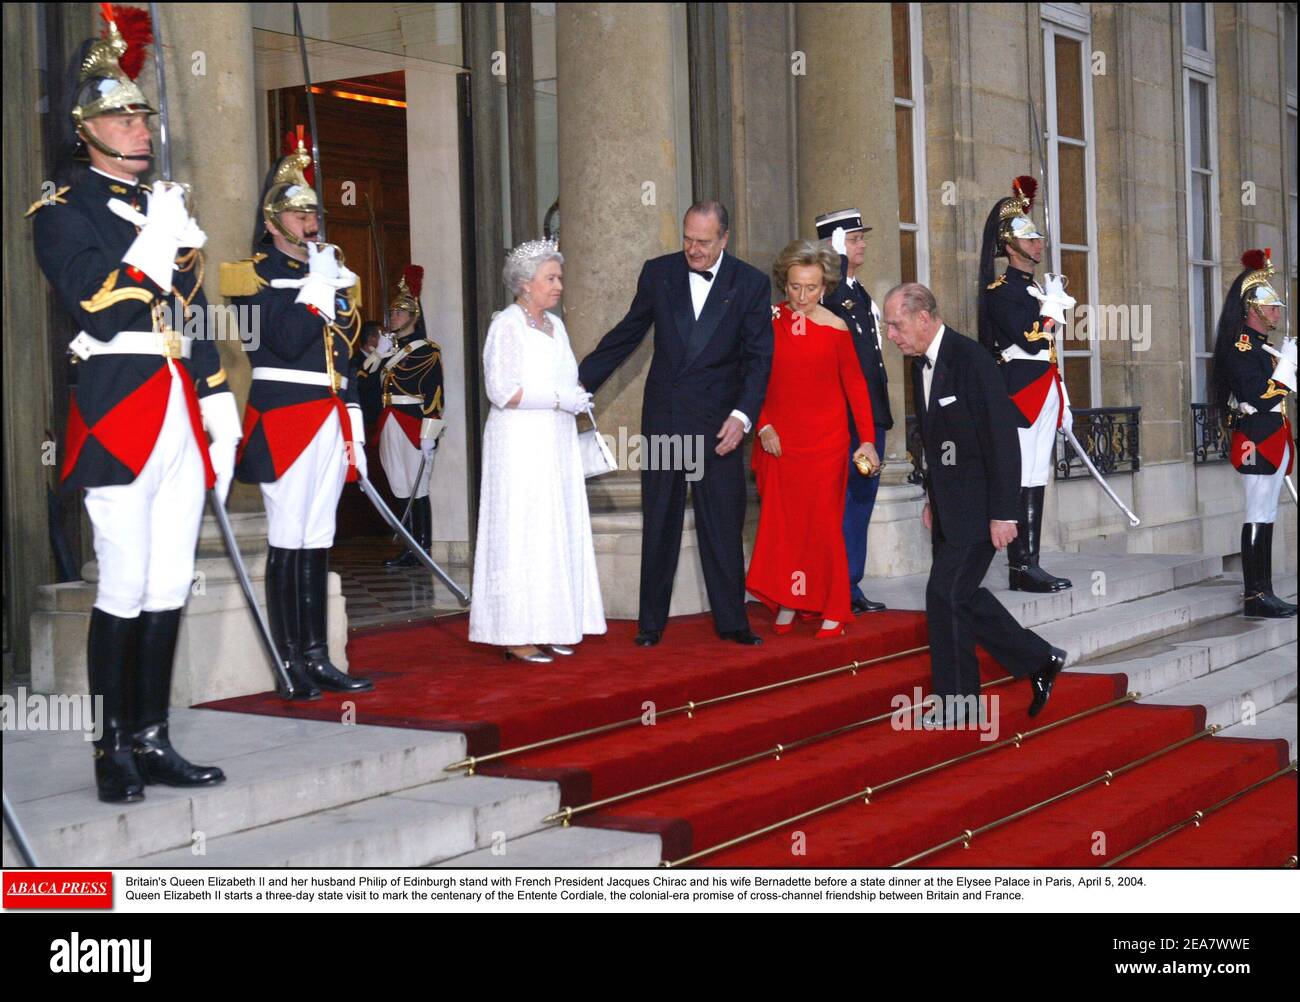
x=1018 y=323
x=851 y=302
x=304 y=434
x=1252 y=379
x=124 y=260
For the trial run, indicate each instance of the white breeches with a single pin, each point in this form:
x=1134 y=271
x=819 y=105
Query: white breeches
x=1262 y=492
x=301 y=505
x=1038 y=444
x=401 y=462
x=145 y=531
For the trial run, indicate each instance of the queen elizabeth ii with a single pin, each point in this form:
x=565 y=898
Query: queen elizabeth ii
x=536 y=593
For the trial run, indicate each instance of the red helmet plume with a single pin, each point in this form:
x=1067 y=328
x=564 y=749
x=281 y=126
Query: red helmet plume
x=136 y=29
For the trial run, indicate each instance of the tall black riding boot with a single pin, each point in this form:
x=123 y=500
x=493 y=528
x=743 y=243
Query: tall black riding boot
x=1287 y=609
x=283 y=619
x=1022 y=553
x=425 y=526
x=1256 y=570
x=404 y=558
x=313 y=575
x=152 y=683
x=110 y=651
x=1036 y=505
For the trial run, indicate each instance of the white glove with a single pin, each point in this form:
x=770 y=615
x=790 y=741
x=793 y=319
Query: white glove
x=325 y=278
x=164 y=231
x=356 y=448
x=1284 y=371
x=575 y=400
x=427 y=446
x=1053 y=298
x=1067 y=416
x=385 y=345
x=837 y=241
x=221 y=421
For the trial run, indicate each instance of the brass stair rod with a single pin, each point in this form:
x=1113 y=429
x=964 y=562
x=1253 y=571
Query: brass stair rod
x=1200 y=815
x=469 y=764
x=968 y=834
x=566 y=814
x=868 y=792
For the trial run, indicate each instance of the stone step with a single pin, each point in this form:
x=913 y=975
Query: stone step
x=568 y=847
x=1277 y=722
x=1242 y=691
x=413 y=827
x=1192 y=653
x=1090 y=635
x=1100 y=581
x=277 y=768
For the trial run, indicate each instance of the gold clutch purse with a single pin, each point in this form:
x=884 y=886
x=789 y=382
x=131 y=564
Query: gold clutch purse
x=866 y=467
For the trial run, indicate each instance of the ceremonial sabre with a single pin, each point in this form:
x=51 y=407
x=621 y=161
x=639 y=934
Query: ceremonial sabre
x=1066 y=432
x=386 y=513
x=311 y=121
x=406 y=512
x=20 y=837
x=218 y=508
x=1291 y=487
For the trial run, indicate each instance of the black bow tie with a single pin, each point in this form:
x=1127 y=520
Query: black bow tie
x=706 y=275
x=922 y=361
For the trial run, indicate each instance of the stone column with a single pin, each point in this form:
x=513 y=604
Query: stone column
x=623 y=159
x=211 y=90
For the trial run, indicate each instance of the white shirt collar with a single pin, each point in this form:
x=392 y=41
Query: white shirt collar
x=932 y=352
x=116 y=179
x=714 y=267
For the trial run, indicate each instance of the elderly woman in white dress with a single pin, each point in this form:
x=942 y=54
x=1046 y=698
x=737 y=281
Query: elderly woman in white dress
x=535 y=588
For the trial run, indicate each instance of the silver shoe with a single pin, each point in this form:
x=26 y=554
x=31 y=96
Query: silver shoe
x=536 y=659
x=558 y=648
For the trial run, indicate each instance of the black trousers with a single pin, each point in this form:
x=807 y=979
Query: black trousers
x=718 y=497
x=960 y=613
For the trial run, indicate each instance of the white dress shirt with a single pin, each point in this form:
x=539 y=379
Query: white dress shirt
x=932 y=356
x=700 y=288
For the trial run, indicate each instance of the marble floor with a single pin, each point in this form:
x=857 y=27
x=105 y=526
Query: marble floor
x=384 y=596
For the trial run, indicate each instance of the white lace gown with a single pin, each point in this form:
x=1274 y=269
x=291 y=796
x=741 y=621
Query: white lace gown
x=534 y=566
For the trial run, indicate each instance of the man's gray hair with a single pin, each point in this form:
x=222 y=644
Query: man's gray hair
x=916 y=297
x=522 y=263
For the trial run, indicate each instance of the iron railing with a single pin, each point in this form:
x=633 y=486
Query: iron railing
x=1210 y=436
x=1111 y=437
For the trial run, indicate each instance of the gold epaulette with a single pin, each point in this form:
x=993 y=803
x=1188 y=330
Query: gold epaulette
x=240 y=278
x=1244 y=343
x=55 y=199
x=1000 y=280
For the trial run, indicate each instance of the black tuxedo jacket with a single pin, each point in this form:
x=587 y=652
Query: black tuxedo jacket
x=972 y=448
x=702 y=369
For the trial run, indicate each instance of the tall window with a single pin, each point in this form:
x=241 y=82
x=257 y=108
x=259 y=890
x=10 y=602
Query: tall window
x=909 y=130
x=1293 y=204
x=1200 y=142
x=1067 y=74
x=909 y=134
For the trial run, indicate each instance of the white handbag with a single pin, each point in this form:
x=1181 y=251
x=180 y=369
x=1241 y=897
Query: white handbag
x=597 y=460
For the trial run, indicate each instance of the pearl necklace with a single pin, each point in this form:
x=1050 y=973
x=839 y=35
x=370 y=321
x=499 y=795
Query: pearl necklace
x=544 y=327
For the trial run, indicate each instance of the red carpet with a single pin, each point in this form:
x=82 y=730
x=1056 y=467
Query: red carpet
x=431 y=677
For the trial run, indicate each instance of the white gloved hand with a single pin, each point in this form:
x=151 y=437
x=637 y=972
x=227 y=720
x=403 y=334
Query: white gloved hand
x=575 y=400
x=427 y=446
x=1284 y=370
x=385 y=345
x=1053 y=298
x=1067 y=415
x=356 y=448
x=166 y=228
x=325 y=278
x=221 y=421
x=837 y=241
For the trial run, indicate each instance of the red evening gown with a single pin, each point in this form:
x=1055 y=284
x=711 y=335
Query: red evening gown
x=799 y=557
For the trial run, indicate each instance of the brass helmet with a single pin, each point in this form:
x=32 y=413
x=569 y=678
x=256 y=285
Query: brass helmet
x=289 y=188
x=408 y=291
x=1013 y=213
x=106 y=77
x=1256 y=289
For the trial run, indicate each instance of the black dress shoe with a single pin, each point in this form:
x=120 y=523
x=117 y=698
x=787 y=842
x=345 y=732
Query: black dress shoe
x=1041 y=681
x=860 y=604
x=745 y=636
x=648 y=638
x=1033 y=578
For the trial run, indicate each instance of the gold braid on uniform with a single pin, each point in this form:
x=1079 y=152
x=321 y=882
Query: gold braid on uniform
x=186 y=263
x=416 y=369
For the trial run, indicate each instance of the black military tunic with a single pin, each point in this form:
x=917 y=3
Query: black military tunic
x=1015 y=319
x=1260 y=439
x=852 y=304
